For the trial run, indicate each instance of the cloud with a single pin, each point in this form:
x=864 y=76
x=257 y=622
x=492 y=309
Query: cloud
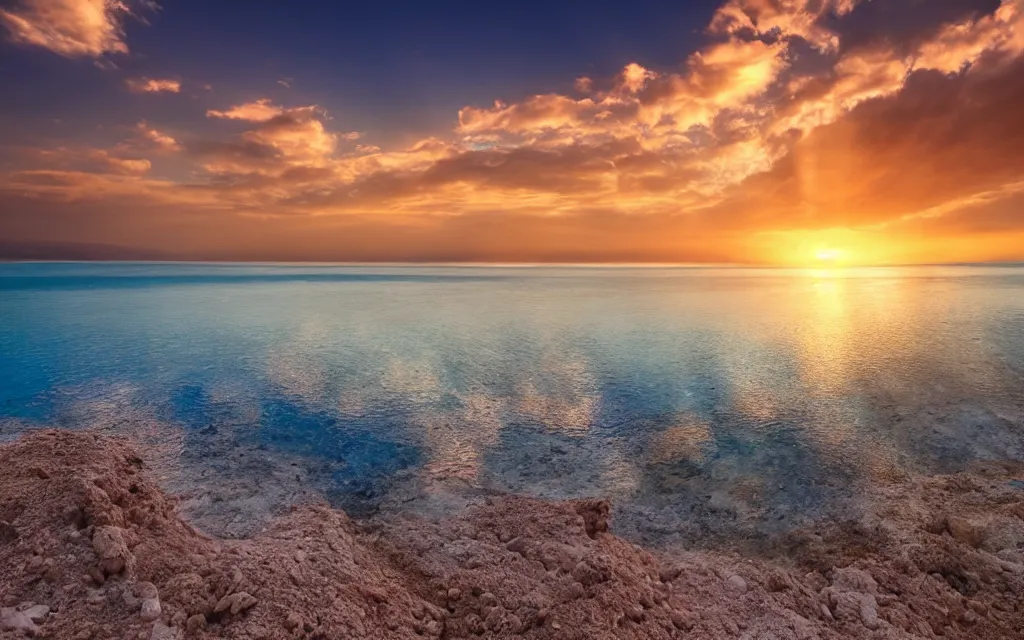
x=783 y=18
x=153 y=85
x=257 y=111
x=121 y=161
x=279 y=139
x=634 y=77
x=536 y=113
x=157 y=139
x=790 y=128
x=125 y=166
x=959 y=45
x=72 y=28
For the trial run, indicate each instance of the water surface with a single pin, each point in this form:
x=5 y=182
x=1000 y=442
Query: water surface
x=700 y=400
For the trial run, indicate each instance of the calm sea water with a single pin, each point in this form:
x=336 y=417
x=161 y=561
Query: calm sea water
x=695 y=398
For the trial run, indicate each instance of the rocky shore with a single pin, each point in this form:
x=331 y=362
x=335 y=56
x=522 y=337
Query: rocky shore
x=92 y=548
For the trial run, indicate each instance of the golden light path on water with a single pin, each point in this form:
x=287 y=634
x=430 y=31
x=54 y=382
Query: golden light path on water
x=753 y=392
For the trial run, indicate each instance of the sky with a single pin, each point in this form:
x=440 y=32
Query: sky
x=783 y=132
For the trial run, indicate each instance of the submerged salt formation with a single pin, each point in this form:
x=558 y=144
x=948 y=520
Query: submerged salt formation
x=90 y=547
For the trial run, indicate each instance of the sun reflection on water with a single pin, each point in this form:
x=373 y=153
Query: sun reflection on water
x=736 y=392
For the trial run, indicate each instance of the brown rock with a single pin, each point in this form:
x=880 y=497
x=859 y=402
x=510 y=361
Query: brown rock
x=595 y=516
x=965 y=531
x=35 y=565
x=160 y=631
x=635 y=613
x=7 y=531
x=235 y=603
x=736 y=584
x=108 y=543
x=487 y=599
x=681 y=620
x=869 y=612
x=195 y=623
x=293 y=621
x=150 y=609
x=145 y=590
x=669 y=573
x=37 y=612
x=517 y=545
x=474 y=624
x=96 y=575
x=17 y=621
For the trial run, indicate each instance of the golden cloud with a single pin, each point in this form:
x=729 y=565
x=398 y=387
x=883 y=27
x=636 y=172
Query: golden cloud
x=257 y=111
x=153 y=85
x=71 y=28
x=785 y=18
x=152 y=137
x=755 y=144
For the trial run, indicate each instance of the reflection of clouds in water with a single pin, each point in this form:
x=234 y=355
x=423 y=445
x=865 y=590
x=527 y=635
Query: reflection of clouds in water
x=297 y=375
x=412 y=380
x=661 y=384
x=621 y=475
x=458 y=435
x=352 y=403
x=744 y=366
x=455 y=427
x=298 y=366
x=237 y=404
x=689 y=439
x=567 y=403
x=103 y=405
x=803 y=364
x=455 y=438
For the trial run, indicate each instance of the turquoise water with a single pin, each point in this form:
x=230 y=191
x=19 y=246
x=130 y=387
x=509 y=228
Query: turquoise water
x=697 y=398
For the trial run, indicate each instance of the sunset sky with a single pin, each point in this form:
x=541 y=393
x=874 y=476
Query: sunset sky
x=787 y=132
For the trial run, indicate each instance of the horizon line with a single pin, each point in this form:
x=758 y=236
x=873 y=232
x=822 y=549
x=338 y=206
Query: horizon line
x=516 y=264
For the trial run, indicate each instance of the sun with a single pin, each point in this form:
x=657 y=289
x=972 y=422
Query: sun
x=827 y=255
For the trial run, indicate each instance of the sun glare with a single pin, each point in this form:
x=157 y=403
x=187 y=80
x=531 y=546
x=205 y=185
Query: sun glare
x=828 y=255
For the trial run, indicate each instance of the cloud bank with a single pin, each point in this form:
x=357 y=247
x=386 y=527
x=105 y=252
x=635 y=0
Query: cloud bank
x=880 y=128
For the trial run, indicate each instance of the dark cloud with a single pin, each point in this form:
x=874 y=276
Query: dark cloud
x=903 y=24
x=940 y=139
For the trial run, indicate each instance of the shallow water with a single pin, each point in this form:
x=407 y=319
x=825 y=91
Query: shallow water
x=702 y=401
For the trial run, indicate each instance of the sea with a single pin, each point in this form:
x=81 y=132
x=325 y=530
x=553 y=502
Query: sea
x=702 y=402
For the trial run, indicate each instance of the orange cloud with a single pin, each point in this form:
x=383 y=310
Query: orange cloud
x=786 y=131
x=635 y=77
x=153 y=85
x=120 y=161
x=785 y=18
x=71 y=28
x=157 y=139
x=257 y=111
x=280 y=139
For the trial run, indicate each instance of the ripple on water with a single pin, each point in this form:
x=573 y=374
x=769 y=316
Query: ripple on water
x=706 y=403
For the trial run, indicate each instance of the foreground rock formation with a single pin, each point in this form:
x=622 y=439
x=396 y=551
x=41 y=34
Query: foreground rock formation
x=90 y=547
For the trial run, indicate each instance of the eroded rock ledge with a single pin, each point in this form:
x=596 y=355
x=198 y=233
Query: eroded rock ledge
x=90 y=547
